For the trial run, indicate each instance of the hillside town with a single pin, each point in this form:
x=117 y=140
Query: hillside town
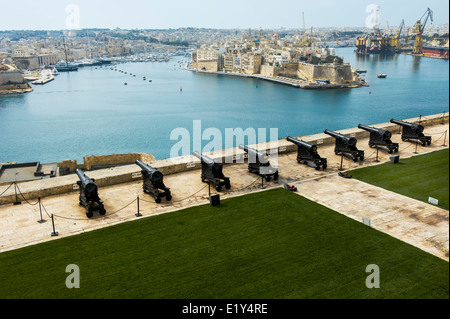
x=299 y=57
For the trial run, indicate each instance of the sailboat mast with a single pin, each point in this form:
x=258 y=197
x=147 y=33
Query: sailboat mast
x=65 y=50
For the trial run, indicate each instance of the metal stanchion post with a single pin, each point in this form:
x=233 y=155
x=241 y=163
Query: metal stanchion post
x=415 y=152
x=138 y=214
x=54 y=233
x=377 y=156
x=342 y=160
x=40 y=212
x=17 y=202
x=262 y=182
x=445 y=139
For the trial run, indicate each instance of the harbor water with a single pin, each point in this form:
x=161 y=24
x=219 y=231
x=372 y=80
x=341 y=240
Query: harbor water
x=93 y=112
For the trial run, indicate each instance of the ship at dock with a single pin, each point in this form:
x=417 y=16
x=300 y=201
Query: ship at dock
x=64 y=66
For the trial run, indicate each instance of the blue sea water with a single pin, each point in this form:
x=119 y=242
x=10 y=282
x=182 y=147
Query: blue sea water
x=92 y=112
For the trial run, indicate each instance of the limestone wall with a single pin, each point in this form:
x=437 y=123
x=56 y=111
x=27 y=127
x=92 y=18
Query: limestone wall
x=335 y=73
x=208 y=66
x=90 y=162
x=11 y=77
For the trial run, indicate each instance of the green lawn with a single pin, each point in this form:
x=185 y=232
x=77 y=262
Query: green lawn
x=419 y=177
x=268 y=245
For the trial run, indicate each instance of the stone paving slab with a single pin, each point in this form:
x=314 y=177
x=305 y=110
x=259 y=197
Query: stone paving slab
x=420 y=224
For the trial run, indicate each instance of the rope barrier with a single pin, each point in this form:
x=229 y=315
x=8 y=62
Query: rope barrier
x=6 y=189
x=25 y=198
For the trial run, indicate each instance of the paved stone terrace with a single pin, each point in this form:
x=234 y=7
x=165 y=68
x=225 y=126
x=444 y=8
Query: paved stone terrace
x=422 y=225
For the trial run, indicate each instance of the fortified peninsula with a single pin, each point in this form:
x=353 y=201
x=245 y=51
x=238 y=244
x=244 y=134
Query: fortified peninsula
x=267 y=57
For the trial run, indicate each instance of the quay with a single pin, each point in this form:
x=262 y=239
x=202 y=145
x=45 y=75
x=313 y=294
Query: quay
x=45 y=76
x=120 y=186
x=301 y=84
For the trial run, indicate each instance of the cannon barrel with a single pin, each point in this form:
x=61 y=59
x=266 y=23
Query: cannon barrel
x=310 y=147
x=261 y=156
x=351 y=141
x=87 y=184
x=205 y=159
x=415 y=127
x=383 y=133
x=83 y=177
x=150 y=172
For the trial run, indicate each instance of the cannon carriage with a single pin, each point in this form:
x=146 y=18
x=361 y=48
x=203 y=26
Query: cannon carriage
x=346 y=145
x=307 y=154
x=380 y=137
x=153 y=182
x=412 y=131
x=89 y=198
x=212 y=172
x=258 y=163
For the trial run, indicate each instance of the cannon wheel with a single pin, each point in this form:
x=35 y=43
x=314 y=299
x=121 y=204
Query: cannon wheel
x=275 y=176
x=169 y=197
x=361 y=158
x=391 y=151
x=218 y=188
x=157 y=199
x=324 y=166
x=228 y=186
x=102 y=211
x=429 y=143
x=268 y=178
x=90 y=214
x=355 y=159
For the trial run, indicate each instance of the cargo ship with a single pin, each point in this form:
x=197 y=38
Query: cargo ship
x=435 y=51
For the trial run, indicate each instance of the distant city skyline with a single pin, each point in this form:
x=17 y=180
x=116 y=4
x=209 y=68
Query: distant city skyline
x=231 y=14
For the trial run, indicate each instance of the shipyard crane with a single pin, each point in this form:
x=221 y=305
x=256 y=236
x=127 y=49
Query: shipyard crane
x=418 y=31
x=304 y=37
x=396 y=39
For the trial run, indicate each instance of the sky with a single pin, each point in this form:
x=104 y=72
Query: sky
x=226 y=14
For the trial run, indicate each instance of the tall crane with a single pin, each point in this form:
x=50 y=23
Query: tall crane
x=396 y=39
x=418 y=31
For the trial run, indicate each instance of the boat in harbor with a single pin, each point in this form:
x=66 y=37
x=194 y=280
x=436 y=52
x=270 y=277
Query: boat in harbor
x=382 y=76
x=64 y=66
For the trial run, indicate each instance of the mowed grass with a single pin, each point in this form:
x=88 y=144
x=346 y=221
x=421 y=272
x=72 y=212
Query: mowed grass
x=418 y=177
x=268 y=245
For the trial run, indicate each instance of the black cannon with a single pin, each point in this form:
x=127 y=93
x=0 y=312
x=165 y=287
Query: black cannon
x=258 y=163
x=89 y=195
x=346 y=145
x=212 y=172
x=412 y=131
x=380 y=137
x=307 y=153
x=153 y=182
